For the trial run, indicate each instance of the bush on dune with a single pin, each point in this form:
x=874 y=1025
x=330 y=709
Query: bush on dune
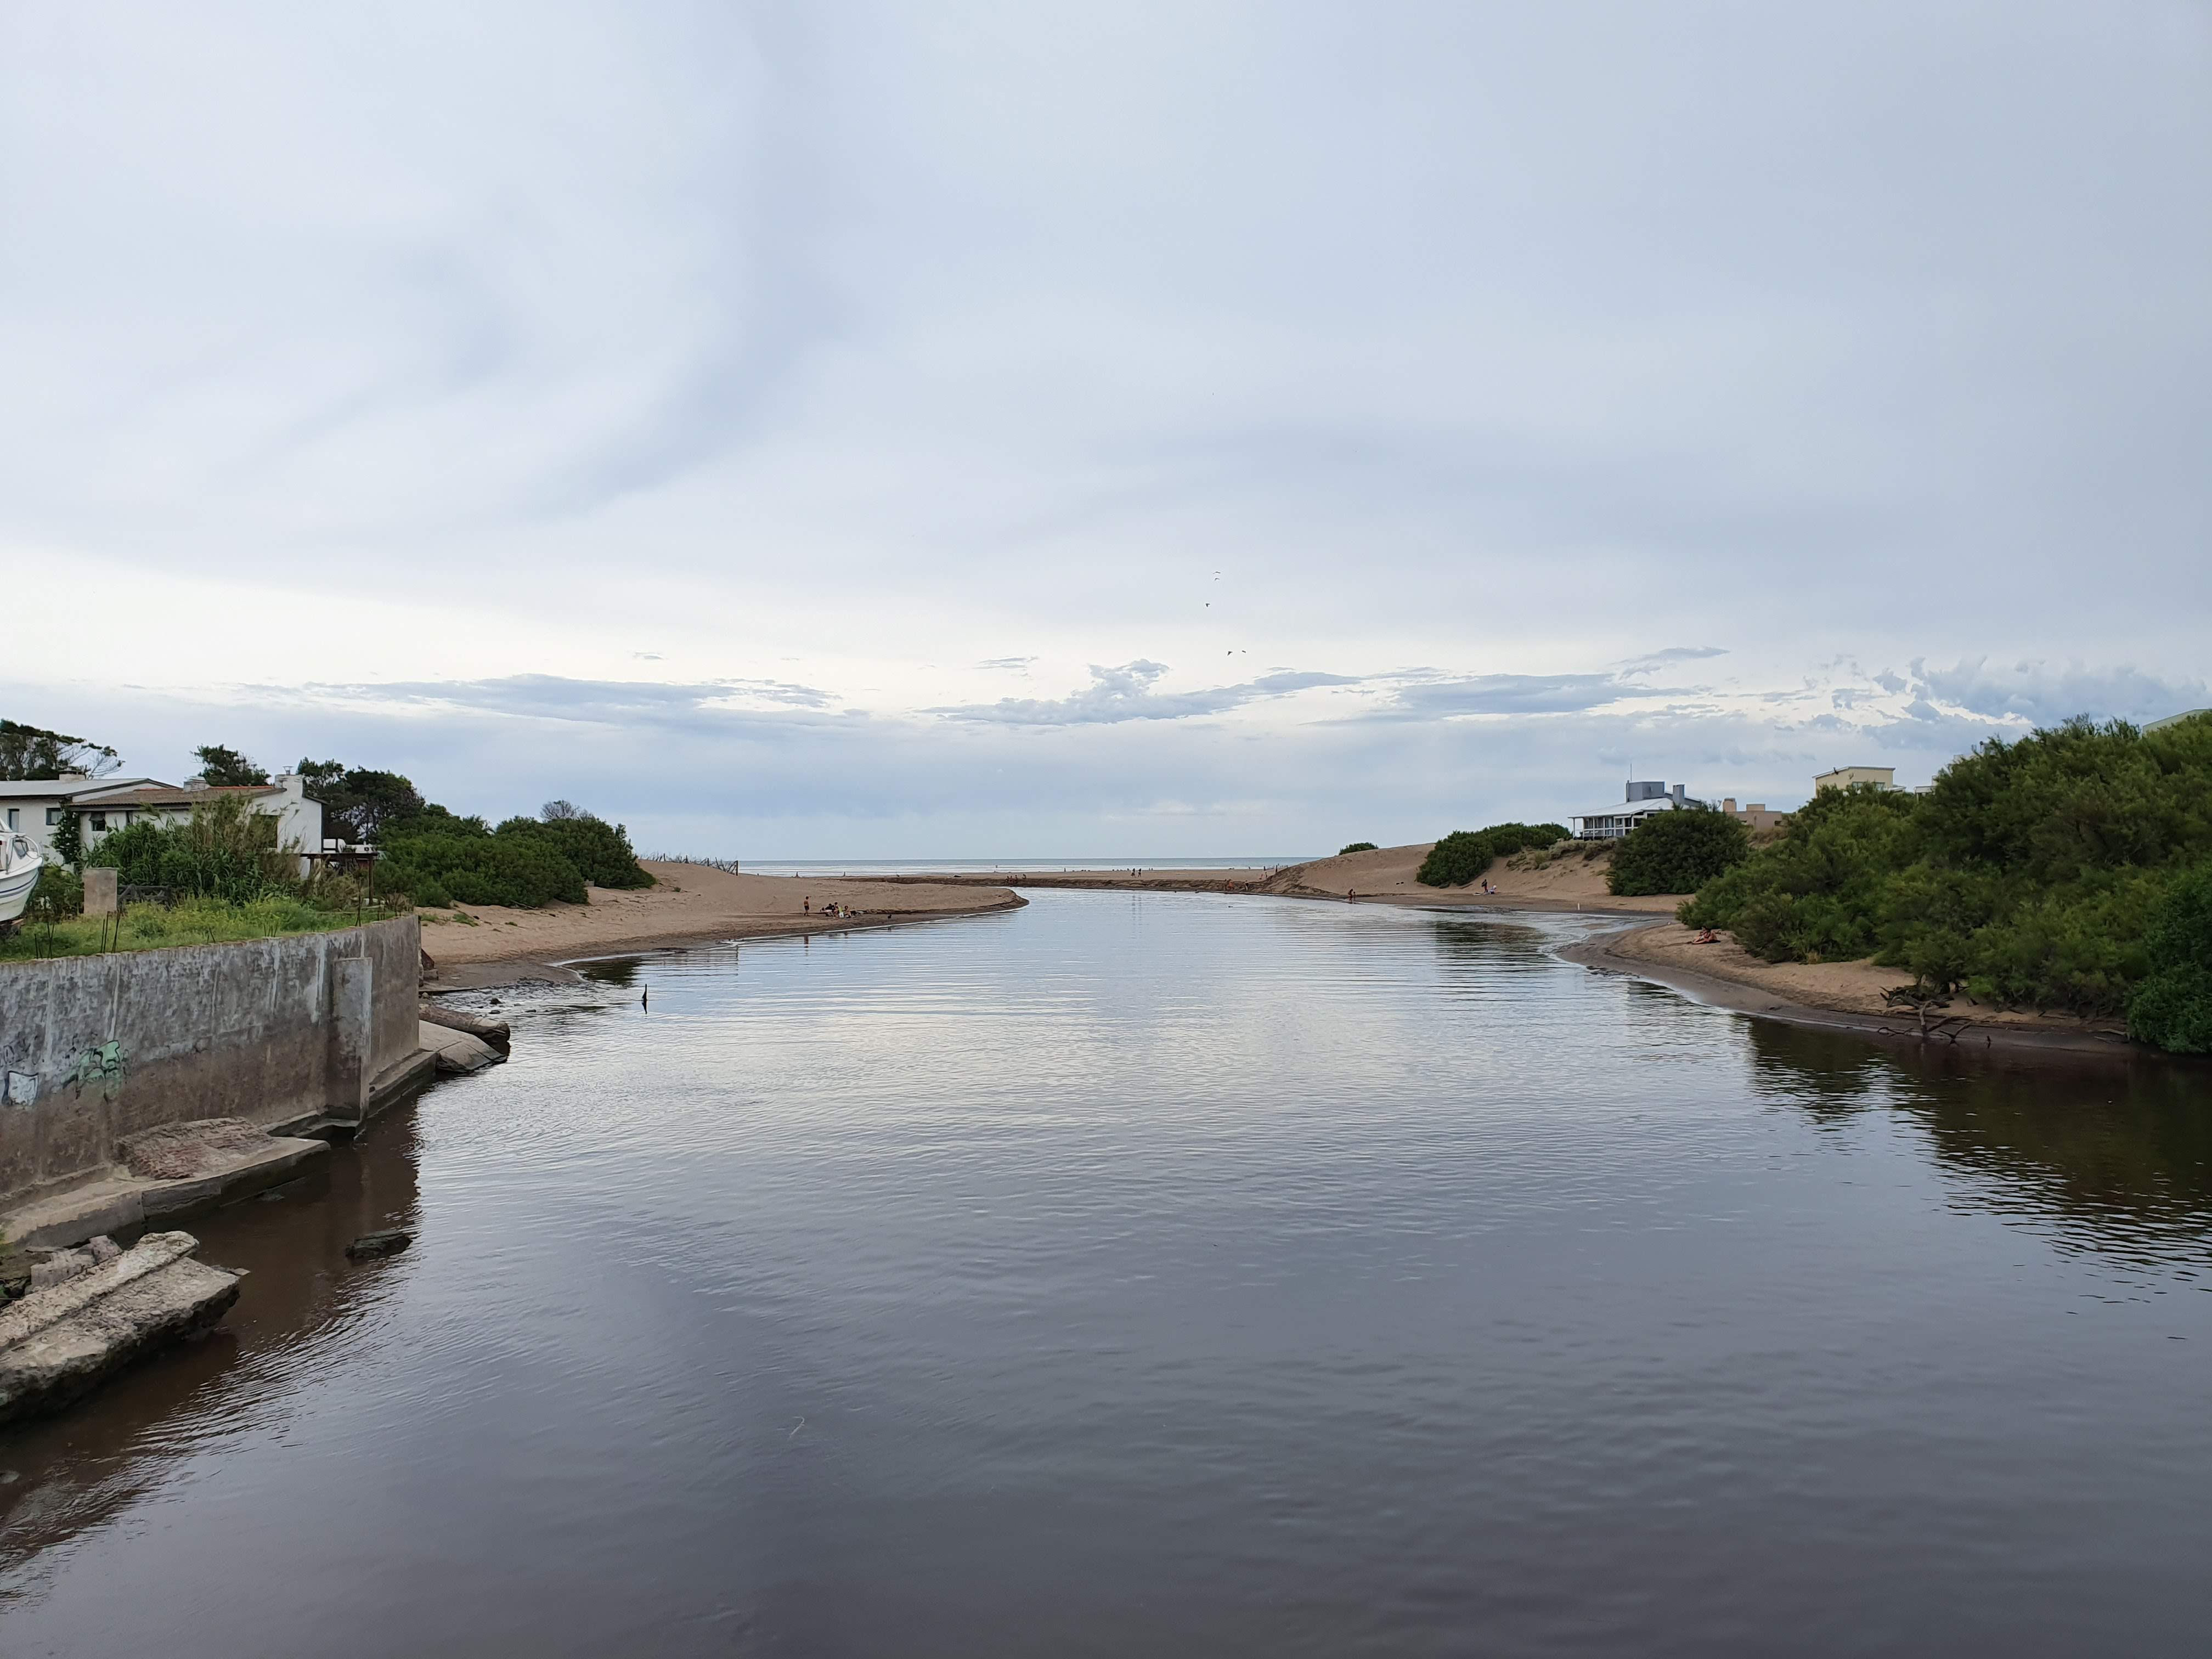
x=600 y=851
x=1676 y=852
x=1462 y=856
x=1356 y=847
x=439 y=858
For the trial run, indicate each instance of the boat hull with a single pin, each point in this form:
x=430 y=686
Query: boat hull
x=18 y=877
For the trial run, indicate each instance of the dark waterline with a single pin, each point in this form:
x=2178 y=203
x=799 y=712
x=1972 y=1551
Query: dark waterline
x=1163 y=1274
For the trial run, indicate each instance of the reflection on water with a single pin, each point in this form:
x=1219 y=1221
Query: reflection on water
x=611 y=970
x=2116 y=1155
x=304 y=1304
x=1141 y=1274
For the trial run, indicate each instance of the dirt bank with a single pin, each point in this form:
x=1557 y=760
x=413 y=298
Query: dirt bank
x=1836 y=995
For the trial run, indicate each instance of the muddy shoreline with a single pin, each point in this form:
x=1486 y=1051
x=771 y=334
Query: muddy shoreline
x=1601 y=955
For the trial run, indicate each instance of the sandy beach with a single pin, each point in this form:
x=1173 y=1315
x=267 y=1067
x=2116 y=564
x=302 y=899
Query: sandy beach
x=691 y=903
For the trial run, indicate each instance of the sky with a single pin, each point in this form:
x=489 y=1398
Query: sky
x=845 y=431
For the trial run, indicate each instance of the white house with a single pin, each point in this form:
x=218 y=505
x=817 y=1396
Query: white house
x=34 y=806
x=1643 y=799
x=103 y=810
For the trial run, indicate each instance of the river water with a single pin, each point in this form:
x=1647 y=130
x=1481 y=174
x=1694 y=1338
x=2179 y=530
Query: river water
x=1165 y=1274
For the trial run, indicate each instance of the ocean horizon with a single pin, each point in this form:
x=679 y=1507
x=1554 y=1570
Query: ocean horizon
x=1025 y=866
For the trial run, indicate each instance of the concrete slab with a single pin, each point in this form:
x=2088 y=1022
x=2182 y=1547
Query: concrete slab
x=60 y=1343
x=108 y=1205
x=400 y=1080
x=251 y=1172
x=457 y=1051
x=179 y=1170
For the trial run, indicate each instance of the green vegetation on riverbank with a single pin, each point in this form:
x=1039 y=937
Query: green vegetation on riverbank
x=438 y=857
x=2061 y=872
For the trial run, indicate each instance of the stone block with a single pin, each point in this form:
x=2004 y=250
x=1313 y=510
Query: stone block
x=99 y=891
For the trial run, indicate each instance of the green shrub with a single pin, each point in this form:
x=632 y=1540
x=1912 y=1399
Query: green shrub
x=1356 y=846
x=1462 y=856
x=2172 y=1006
x=600 y=851
x=1676 y=852
x=60 y=892
x=457 y=867
x=226 y=851
x=2035 y=873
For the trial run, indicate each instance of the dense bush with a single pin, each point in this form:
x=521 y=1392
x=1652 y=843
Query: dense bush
x=1356 y=846
x=226 y=851
x=2031 y=874
x=439 y=858
x=453 y=866
x=1677 y=852
x=1462 y=856
x=600 y=851
x=2173 y=1006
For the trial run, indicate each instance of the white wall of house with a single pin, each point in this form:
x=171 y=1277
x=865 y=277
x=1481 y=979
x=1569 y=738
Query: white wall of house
x=35 y=809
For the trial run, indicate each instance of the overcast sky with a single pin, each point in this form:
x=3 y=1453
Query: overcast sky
x=840 y=431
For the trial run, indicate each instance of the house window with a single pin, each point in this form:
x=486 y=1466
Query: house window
x=14 y=819
x=100 y=823
x=53 y=817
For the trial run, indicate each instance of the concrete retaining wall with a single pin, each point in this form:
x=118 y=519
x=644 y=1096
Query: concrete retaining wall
x=97 y=1048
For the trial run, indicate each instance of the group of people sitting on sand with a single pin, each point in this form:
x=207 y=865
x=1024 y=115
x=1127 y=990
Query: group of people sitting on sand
x=840 y=912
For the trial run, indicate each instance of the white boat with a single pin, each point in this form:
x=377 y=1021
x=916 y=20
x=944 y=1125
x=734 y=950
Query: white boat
x=20 y=864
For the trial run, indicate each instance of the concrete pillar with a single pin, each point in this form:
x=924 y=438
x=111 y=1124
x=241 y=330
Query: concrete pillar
x=353 y=1005
x=99 y=891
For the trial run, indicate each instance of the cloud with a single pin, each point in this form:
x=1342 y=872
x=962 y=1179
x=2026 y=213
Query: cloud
x=1126 y=693
x=1018 y=664
x=2038 y=694
x=554 y=697
x=1511 y=694
x=1673 y=654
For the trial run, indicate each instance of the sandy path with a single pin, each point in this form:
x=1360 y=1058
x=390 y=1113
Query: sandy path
x=691 y=901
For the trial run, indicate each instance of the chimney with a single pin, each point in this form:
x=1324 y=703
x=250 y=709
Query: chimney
x=1679 y=789
x=1728 y=805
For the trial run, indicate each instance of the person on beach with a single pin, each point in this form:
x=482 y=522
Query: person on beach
x=806 y=904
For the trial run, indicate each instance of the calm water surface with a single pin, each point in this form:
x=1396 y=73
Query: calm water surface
x=1152 y=1274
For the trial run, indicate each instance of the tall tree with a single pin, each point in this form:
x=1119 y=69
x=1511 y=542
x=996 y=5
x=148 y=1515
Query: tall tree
x=358 y=802
x=32 y=751
x=221 y=768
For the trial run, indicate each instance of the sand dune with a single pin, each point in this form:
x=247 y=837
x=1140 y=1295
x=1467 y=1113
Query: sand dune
x=1570 y=882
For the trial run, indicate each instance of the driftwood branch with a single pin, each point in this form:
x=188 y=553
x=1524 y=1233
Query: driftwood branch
x=1927 y=1007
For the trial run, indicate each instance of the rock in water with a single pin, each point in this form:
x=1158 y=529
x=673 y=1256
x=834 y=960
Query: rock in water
x=390 y=1242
